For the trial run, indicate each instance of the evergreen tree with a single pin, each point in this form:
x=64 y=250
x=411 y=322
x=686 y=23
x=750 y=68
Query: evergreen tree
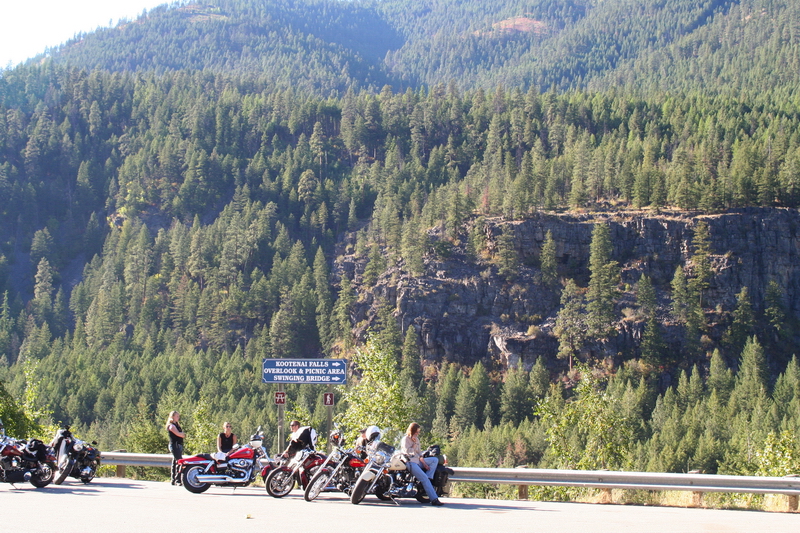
x=376 y=265
x=515 y=399
x=547 y=262
x=342 y=322
x=701 y=259
x=602 y=284
x=570 y=328
x=507 y=259
x=743 y=321
x=775 y=309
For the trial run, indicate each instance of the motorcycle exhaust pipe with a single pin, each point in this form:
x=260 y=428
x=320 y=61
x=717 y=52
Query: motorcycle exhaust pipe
x=211 y=478
x=27 y=476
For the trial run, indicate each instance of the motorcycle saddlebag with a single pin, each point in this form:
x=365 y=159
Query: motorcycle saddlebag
x=441 y=476
x=37 y=448
x=14 y=476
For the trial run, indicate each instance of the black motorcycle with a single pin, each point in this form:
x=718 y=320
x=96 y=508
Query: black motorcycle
x=387 y=477
x=339 y=472
x=25 y=460
x=74 y=457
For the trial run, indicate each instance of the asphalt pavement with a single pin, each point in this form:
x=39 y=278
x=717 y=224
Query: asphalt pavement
x=124 y=505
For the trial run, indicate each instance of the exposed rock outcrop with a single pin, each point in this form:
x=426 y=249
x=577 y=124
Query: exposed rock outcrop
x=464 y=311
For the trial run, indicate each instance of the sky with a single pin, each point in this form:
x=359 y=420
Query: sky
x=27 y=27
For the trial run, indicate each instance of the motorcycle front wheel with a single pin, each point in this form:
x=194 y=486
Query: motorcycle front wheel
x=190 y=481
x=317 y=484
x=359 y=491
x=64 y=468
x=280 y=482
x=44 y=475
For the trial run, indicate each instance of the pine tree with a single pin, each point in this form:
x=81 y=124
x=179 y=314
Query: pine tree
x=570 y=328
x=507 y=259
x=775 y=308
x=324 y=300
x=342 y=322
x=701 y=259
x=465 y=409
x=752 y=377
x=602 y=283
x=743 y=322
x=515 y=400
x=376 y=265
x=547 y=261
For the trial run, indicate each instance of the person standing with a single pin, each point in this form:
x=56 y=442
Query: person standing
x=176 y=436
x=422 y=468
x=227 y=439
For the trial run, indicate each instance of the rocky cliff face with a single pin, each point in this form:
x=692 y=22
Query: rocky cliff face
x=464 y=311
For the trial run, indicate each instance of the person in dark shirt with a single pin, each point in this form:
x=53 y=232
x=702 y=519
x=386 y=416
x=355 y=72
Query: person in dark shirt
x=176 y=436
x=301 y=438
x=227 y=439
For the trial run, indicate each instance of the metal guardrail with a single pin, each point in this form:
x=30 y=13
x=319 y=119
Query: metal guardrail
x=598 y=479
x=603 y=479
x=120 y=458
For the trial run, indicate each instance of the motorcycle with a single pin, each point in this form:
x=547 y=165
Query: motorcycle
x=300 y=468
x=237 y=468
x=387 y=477
x=22 y=460
x=339 y=472
x=74 y=457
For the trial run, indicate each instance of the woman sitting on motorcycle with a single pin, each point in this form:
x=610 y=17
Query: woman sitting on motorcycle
x=227 y=439
x=422 y=468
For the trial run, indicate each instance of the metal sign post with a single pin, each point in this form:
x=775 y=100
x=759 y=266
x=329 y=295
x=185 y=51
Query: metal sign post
x=327 y=400
x=280 y=399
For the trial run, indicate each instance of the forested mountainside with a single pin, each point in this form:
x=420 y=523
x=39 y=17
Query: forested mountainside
x=540 y=265
x=328 y=45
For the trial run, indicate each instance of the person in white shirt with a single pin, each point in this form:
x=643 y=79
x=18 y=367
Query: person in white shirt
x=422 y=468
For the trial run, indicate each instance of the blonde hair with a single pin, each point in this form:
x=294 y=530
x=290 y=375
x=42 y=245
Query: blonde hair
x=413 y=427
x=171 y=418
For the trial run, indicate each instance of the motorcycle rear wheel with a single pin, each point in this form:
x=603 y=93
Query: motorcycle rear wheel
x=190 y=482
x=317 y=484
x=422 y=496
x=45 y=475
x=280 y=482
x=64 y=468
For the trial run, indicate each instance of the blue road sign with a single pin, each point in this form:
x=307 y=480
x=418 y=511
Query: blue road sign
x=320 y=371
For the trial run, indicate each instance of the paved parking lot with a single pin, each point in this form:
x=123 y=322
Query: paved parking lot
x=122 y=505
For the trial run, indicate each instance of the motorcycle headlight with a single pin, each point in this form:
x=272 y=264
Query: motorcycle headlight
x=78 y=446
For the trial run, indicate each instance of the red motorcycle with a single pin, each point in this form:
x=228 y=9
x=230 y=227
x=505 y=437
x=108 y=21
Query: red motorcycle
x=22 y=460
x=237 y=468
x=300 y=468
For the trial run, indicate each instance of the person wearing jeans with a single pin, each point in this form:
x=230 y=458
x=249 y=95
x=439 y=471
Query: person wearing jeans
x=176 y=436
x=420 y=467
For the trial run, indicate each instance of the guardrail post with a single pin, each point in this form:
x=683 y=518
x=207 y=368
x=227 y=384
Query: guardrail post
x=522 y=490
x=120 y=468
x=791 y=499
x=697 y=498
